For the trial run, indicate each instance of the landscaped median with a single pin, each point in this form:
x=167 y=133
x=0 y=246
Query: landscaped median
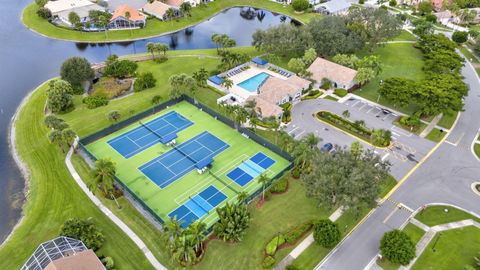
x=154 y=27
x=375 y=137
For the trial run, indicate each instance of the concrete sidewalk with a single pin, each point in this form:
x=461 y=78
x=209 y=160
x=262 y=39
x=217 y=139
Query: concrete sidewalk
x=133 y=236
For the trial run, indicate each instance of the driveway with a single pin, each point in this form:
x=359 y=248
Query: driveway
x=409 y=149
x=444 y=177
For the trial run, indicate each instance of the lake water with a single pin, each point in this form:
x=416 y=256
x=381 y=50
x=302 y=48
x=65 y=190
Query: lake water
x=27 y=59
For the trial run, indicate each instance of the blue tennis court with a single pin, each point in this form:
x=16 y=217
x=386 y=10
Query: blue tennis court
x=142 y=137
x=250 y=169
x=196 y=152
x=198 y=206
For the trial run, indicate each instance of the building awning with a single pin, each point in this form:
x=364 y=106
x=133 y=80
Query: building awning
x=259 y=61
x=216 y=80
x=204 y=163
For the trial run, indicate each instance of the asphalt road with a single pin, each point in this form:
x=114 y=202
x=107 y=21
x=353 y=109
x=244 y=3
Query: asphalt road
x=408 y=144
x=444 y=177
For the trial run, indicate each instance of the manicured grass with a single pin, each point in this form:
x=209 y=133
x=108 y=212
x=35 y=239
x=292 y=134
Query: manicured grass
x=280 y=212
x=387 y=185
x=435 y=215
x=469 y=55
x=405 y=36
x=417 y=130
x=86 y=121
x=166 y=199
x=54 y=197
x=329 y=97
x=447 y=120
x=454 y=249
x=476 y=149
x=415 y=234
x=436 y=135
x=397 y=60
x=154 y=27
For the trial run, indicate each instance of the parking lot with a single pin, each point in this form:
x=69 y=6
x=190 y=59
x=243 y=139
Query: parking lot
x=406 y=149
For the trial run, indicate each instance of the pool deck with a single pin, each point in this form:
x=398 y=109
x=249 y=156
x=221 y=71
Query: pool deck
x=247 y=74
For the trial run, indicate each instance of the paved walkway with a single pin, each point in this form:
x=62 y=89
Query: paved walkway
x=431 y=125
x=109 y=213
x=431 y=232
x=304 y=244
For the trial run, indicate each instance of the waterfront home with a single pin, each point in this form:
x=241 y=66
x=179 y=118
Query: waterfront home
x=127 y=17
x=60 y=10
x=157 y=9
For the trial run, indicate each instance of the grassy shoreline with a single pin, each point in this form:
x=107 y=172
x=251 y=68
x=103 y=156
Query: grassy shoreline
x=154 y=27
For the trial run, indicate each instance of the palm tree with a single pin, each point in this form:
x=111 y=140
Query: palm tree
x=263 y=180
x=170 y=13
x=162 y=47
x=227 y=83
x=217 y=39
x=286 y=141
x=241 y=115
x=311 y=140
x=55 y=136
x=172 y=229
x=185 y=8
x=275 y=124
x=151 y=48
x=182 y=250
x=104 y=174
x=253 y=121
x=68 y=136
x=242 y=196
x=302 y=155
x=197 y=230
x=128 y=15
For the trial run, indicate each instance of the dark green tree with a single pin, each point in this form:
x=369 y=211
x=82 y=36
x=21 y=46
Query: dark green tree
x=326 y=233
x=283 y=40
x=84 y=230
x=234 y=219
x=460 y=37
x=397 y=247
x=144 y=81
x=399 y=91
x=59 y=96
x=76 y=70
x=300 y=5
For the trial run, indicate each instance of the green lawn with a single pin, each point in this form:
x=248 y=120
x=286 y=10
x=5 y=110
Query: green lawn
x=154 y=27
x=415 y=234
x=405 y=36
x=469 y=55
x=166 y=199
x=435 y=215
x=447 y=120
x=54 y=197
x=397 y=60
x=436 y=135
x=329 y=97
x=451 y=249
x=417 y=131
x=476 y=149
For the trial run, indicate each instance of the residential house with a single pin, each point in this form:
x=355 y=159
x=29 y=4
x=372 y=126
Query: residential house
x=275 y=92
x=335 y=7
x=60 y=10
x=63 y=253
x=127 y=17
x=157 y=9
x=340 y=76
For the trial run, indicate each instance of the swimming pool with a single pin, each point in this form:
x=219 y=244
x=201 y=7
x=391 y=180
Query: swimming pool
x=252 y=84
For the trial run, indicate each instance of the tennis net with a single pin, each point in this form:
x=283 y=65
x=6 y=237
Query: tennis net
x=183 y=153
x=151 y=130
x=223 y=182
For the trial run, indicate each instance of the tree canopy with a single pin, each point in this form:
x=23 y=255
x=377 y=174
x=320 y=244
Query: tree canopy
x=84 y=230
x=326 y=233
x=397 y=247
x=76 y=70
x=59 y=96
x=283 y=40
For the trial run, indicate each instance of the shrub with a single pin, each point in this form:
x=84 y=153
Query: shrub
x=41 y=3
x=44 y=13
x=93 y=102
x=431 y=18
x=114 y=116
x=392 y=3
x=144 y=81
x=280 y=186
x=233 y=220
x=341 y=92
x=326 y=233
x=156 y=99
x=59 y=96
x=326 y=85
x=268 y=262
x=292 y=266
x=460 y=37
x=361 y=2
x=273 y=245
x=268 y=195
x=292 y=235
x=473 y=33
x=119 y=68
x=397 y=247
x=300 y=5
x=83 y=230
x=296 y=173
x=76 y=70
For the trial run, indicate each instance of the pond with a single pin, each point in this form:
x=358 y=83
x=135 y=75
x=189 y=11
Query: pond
x=28 y=59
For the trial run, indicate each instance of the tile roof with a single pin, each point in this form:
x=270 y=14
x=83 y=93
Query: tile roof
x=321 y=68
x=62 y=5
x=135 y=15
x=274 y=89
x=85 y=260
x=156 y=8
x=265 y=108
x=175 y=3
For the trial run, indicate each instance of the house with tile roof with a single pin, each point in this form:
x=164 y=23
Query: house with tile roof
x=60 y=10
x=157 y=9
x=127 y=17
x=340 y=76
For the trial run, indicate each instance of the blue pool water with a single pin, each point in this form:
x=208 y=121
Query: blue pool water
x=252 y=84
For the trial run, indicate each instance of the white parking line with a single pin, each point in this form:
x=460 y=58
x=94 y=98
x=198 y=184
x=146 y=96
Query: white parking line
x=353 y=105
x=297 y=135
x=370 y=109
x=400 y=131
x=362 y=106
x=385 y=156
x=290 y=132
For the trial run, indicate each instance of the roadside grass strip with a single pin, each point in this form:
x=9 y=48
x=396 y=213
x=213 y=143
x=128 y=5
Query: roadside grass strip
x=148 y=134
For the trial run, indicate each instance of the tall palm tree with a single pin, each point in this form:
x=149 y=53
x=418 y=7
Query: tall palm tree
x=104 y=173
x=302 y=155
x=172 y=228
x=128 y=16
x=242 y=196
x=197 y=230
x=162 y=47
x=263 y=180
x=182 y=250
x=286 y=141
x=185 y=8
x=151 y=48
x=275 y=124
x=170 y=13
x=241 y=115
x=311 y=140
